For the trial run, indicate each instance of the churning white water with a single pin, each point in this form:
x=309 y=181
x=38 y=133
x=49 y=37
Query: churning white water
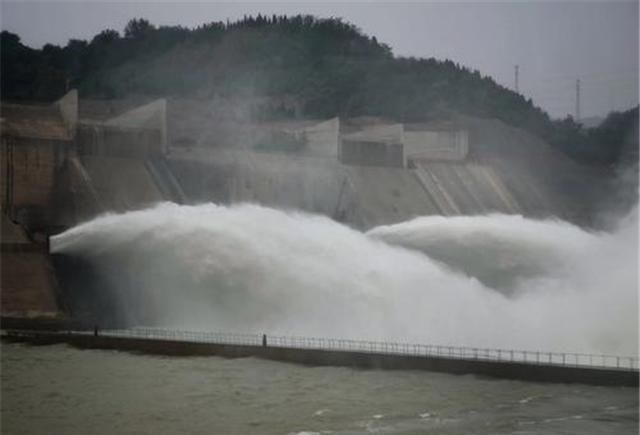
x=495 y=281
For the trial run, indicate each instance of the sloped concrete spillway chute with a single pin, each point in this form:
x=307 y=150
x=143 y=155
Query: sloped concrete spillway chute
x=363 y=196
x=386 y=195
x=544 y=181
x=165 y=180
x=465 y=189
x=225 y=176
x=465 y=166
x=122 y=184
x=121 y=160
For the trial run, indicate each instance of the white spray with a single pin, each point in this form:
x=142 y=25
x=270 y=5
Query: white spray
x=247 y=268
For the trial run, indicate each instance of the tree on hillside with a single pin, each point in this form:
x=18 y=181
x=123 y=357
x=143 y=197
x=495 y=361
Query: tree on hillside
x=138 y=28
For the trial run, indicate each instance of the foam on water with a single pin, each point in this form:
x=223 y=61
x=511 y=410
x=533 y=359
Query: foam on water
x=500 y=281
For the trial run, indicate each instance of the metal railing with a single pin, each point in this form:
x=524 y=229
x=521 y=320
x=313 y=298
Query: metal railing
x=380 y=347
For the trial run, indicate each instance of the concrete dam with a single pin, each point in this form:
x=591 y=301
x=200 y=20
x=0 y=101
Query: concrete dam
x=345 y=228
x=508 y=176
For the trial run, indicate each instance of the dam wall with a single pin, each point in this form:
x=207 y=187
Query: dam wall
x=364 y=196
x=386 y=195
x=121 y=184
x=466 y=166
x=27 y=174
x=225 y=176
x=436 y=141
x=121 y=157
x=466 y=189
x=29 y=288
x=463 y=166
x=543 y=180
x=388 y=358
x=116 y=141
x=36 y=141
x=152 y=116
x=58 y=170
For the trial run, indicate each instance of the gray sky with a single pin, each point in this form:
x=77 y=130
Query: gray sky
x=553 y=42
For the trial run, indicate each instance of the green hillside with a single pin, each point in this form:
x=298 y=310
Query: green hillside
x=327 y=66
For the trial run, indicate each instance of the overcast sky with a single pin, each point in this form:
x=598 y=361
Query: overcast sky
x=553 y=42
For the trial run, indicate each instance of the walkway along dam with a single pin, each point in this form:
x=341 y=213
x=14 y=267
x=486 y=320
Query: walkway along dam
x=588 y=369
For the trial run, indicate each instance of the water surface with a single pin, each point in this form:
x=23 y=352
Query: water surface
x=62 y=390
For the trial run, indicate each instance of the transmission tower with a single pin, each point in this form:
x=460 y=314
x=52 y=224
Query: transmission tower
x=577 y=100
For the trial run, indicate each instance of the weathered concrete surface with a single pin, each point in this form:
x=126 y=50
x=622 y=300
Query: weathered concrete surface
x=317 y=357
x=507 y=169
x=11 y=232
x=55 y=121
x=386 y=195
x=121 y=184
x=27 y=173
x=68 y=107
x=28 y=284
x=46 y=188
x=435 y=141
x=367 y=196
x=465 y=189
x=36 y=140
x=361 y=196
x=165 y=181
x=28 y=287
x=323 y=138
x=275 y=179
x=150 y=116
x=112 y=141
x=373 y=145
x=544 y=181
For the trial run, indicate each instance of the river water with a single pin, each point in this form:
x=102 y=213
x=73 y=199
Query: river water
x=62 y=390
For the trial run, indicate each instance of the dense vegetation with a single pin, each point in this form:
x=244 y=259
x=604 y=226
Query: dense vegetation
x=330 y=67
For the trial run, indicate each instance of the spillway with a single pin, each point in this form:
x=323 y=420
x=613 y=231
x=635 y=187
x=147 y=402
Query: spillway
x=492 y=281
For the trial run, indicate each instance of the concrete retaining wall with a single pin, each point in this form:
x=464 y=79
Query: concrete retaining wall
x=372 y=153
x=436 y=145
x=27 y=178
x=150 y=116
x=225 y=176
x=323 y=138
x=115 y=141
x=121 y=184
x=28 y=286
x=68 y=106
x=373 y=145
